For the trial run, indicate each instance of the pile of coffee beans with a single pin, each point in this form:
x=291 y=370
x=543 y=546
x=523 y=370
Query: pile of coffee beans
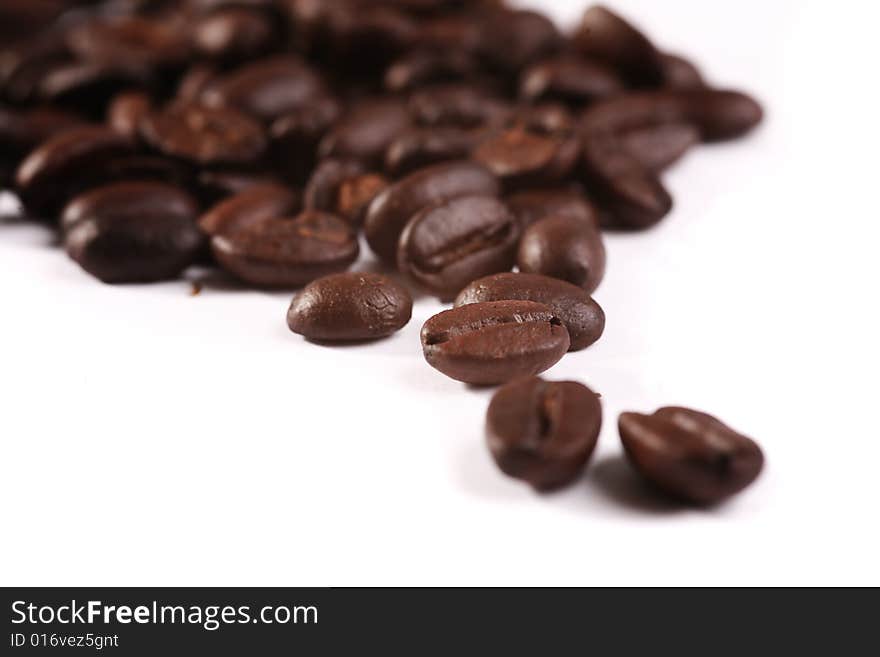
x=479 y=151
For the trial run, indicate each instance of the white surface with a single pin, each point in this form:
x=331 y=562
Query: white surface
x=150 y=437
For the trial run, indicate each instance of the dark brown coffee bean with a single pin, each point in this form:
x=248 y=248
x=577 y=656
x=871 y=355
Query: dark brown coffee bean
x=457 y=105
x=214 y=185
x=21 y=130
x=24 y=65
x=513 y=39
x=690 y=455
x=417 y=148
x=582 y=316
x=543 y=432
x=530 y=205
x=366 y=130
x=423 y=67
x=494 y=342
x=87 y=87
x=606 y=37
x=541 y=146
x=629 y=190
x=132 y=232
x=350 y=306
x=563 y=247
x=64 y=165
x=295 y=137
x=127 y=111
x=391 y=210
x=195 y=81
x=287 y=253
x=449 y=244
x=132 y=42
x=658 y=147
x=267 y=88
x=356 y=194
x=680 y=73
x=249 y=207
x=234 y=33
x=204 y=135
x=570 y=79
x=322 y=190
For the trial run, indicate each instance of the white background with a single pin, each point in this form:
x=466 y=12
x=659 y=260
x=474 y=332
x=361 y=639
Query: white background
x=154 y=438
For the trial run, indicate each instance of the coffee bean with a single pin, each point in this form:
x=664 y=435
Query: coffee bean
x=530 y=205
x=494 y=342
x=204 y=135
x=449 y=244
x=563 y=247
x=422 y=67
x=365 y=131
x=457 y=105
x=127 y=110
x=87 y=87
x=539 y=147
x=582 y=316
x=322 y=189
x=267 y=88
x=627 y=188
x=249 y=207
x=690 y=455
x=658 y=147
x=233 y=33
x=350 y=306
x=680 y=73
x=391 y=210
x=132 y=232
x=606 y=37
x=287 y=253
x=417 y=148
x=195 y=81
x=295 y=137
x=62 y=166
x=216 y=184
x=131 y=42
x=355 y=195
x=543 y=432
x=514 y=39
x=570 y=79
x=21 y=130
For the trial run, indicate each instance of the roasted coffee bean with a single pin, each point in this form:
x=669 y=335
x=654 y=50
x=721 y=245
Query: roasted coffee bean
x=267 y=88
x=287 y=253
x=514 y=39
x=582 y=316
x=233 y=33
x=690 y=455
x=627 y=188
x=391 y=210
x=62 y=166
x=214 y=185
x=564 y=247
x=132 y=42
x=127 y=111
x=449 y=244
x=132 y=232
x=294 y=137
x=543 y=432
x=249 y=207
x=21 y=130
x=322 y=189
x=681 y=74
x=457 y=105
x=24 y=65
x=417 y=148
x=356 y=194
x=541 y=146
x=350 y=306
x=87 y=87
x=606 y=37
x=366 y=130
x=422 y=67
x=570 y=79
x=530 y=205
x=195 y=81
x=658 y=147
x=494 y=342
x=204 y=135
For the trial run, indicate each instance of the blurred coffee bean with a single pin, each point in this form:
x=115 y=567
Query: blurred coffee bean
x=86 y=87
x=294 y=137
x=322 y=189
x=355 y=195
x=680 y=73
x=218 y=183
x=422 y=67
x=418 y=147
x=513 y=39
x=249 y=207
x=569 y=79
x=287 y=253
x=608 y=38
x=458 y=105
x=21 y=130
x=690 y=455
x=449 y=244
x=391 y=210
x=134 y=43
x=530 y=205
x=494 y=342
x=350 y=306
x=563 y=247
x=132 y=232
x=366 y=130
x=126 y=112
x=582 y=316
x=658 y=147
x=233 y=33
x=204 y=135
x=543 y=432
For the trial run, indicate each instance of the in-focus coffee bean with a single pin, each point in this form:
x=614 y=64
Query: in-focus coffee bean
x=564 y=247
x=690 y=455
x=494 y=342
x=449 y=244
x=350 y=306
x=543 y=432
x=582 y=316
